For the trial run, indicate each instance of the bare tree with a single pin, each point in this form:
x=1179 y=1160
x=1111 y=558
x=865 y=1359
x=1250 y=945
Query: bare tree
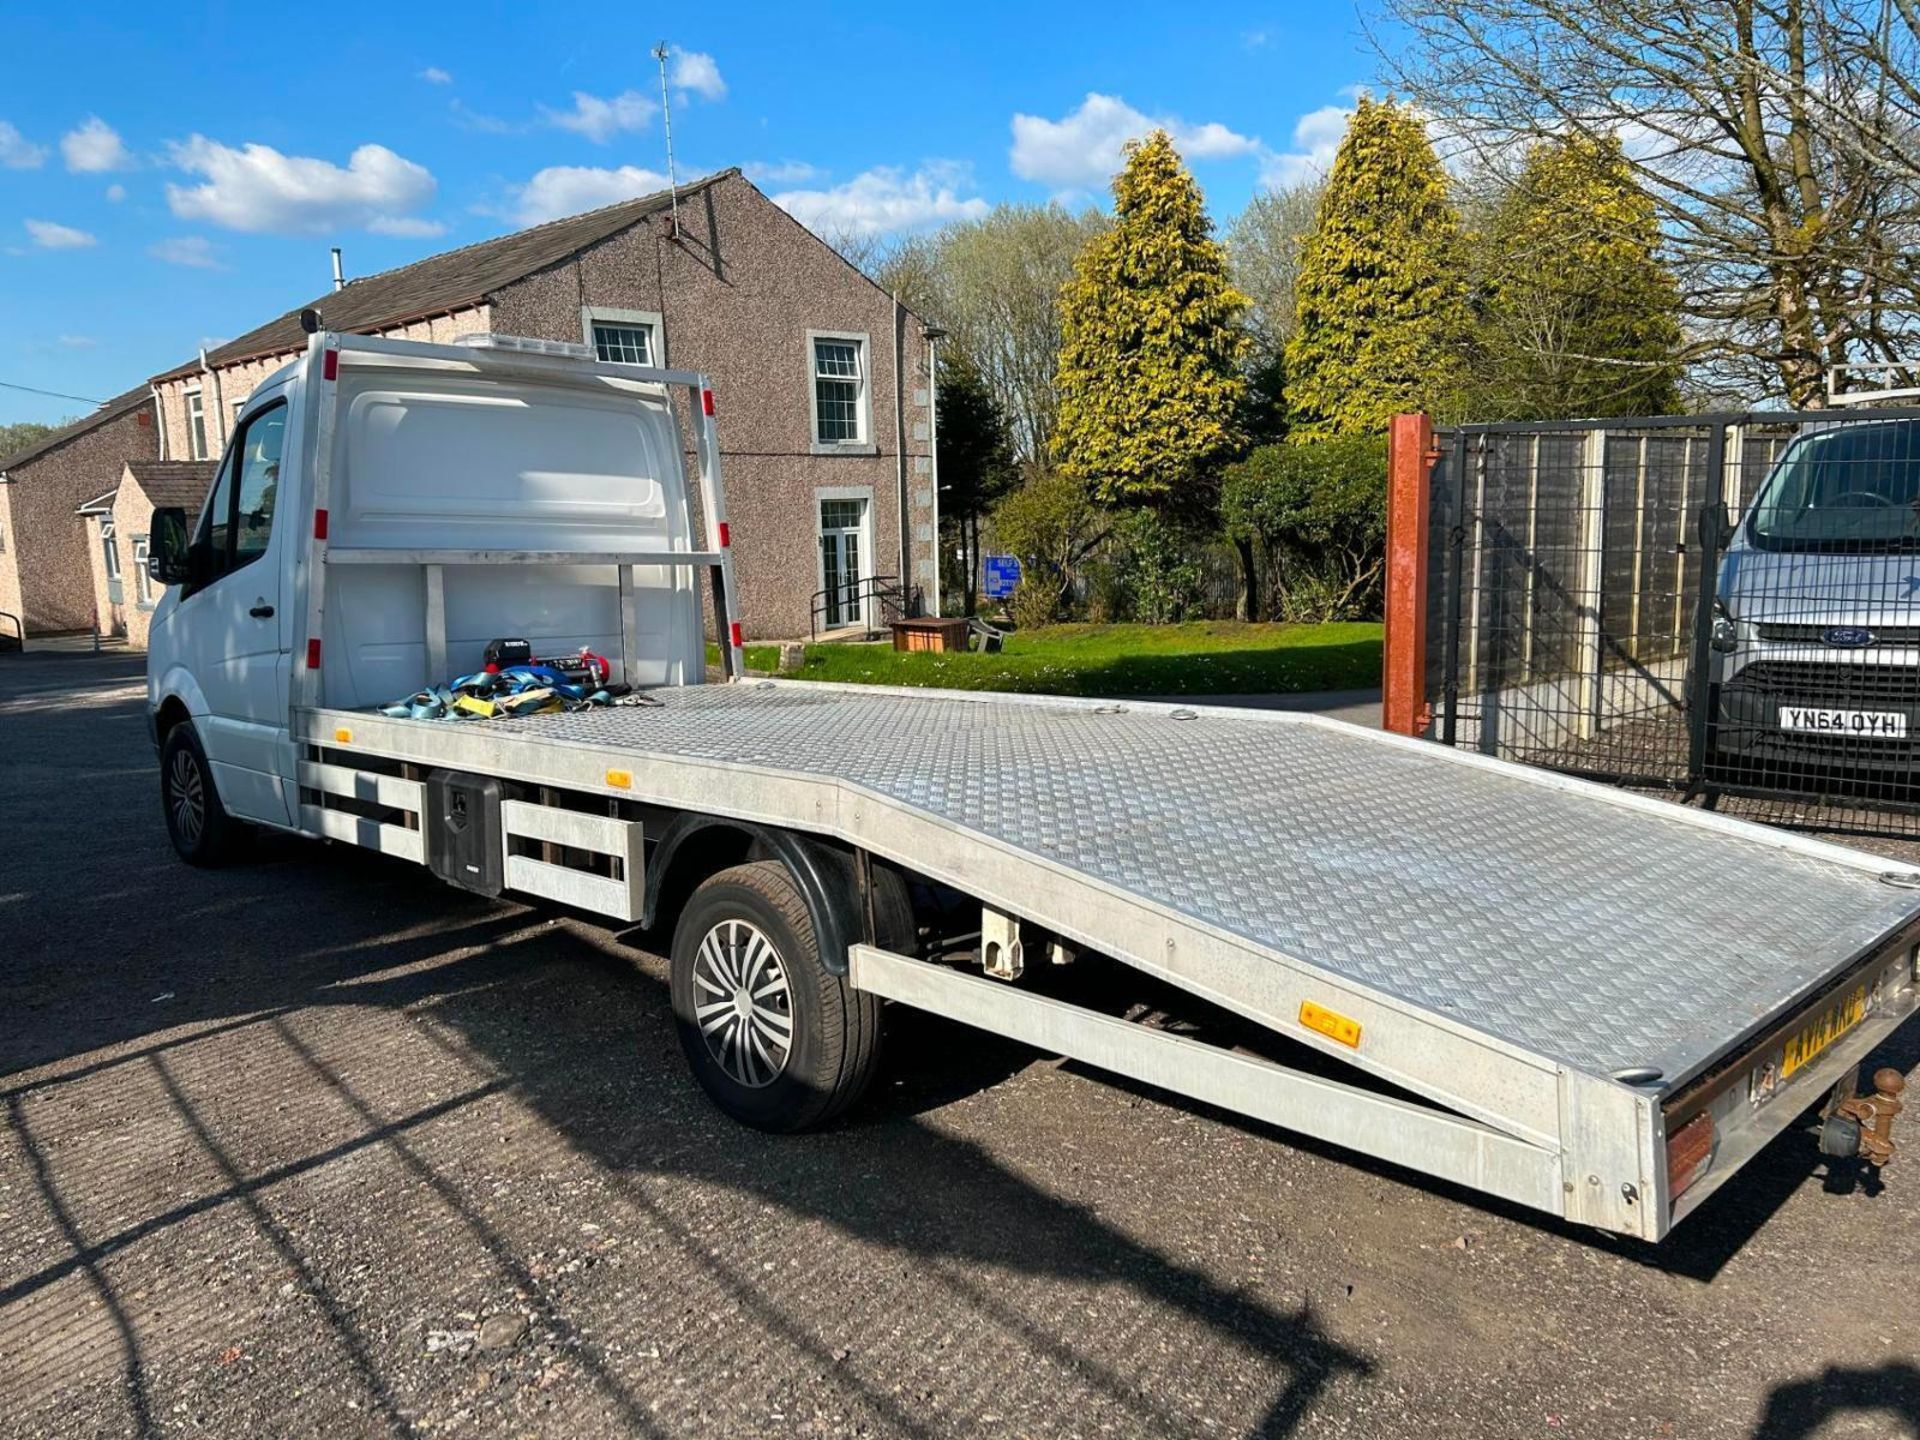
x=995 y=284
x=1776 y=137
x=1263 y=247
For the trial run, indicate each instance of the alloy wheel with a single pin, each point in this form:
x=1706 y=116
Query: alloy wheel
x=188 y=796
x=742 y=1003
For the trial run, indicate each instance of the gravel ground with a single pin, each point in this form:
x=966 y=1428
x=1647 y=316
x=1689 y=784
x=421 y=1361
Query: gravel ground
x=314 y=1144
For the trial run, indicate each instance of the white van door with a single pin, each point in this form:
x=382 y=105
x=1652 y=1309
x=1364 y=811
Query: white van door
x=233 y=622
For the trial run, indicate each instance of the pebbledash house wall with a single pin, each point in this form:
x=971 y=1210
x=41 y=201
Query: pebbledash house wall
x=132 y=517
x=54 y=591
x=738 y=295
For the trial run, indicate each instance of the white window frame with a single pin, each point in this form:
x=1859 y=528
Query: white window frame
x=142 y=582
x=196 y=408
x=863 y=404
x=648 y=320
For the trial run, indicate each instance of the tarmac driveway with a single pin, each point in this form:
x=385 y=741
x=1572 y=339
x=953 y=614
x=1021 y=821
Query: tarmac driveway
x=316 y=1145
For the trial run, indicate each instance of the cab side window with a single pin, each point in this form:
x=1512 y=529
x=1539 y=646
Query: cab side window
x=239 y=519
x=259 y=481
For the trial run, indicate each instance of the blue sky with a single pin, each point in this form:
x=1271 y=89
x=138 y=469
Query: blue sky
x=173 y=178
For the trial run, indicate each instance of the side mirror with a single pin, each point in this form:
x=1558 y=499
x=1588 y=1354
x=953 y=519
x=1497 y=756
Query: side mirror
x=169 y=551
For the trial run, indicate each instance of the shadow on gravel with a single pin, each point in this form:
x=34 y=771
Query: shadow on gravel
x=586 y=1040
x=1802 y=1408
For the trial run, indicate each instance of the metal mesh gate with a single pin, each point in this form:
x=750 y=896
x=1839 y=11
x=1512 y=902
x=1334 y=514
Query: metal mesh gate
x=1726 y=605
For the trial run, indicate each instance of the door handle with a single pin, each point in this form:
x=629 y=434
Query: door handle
x=262 y=611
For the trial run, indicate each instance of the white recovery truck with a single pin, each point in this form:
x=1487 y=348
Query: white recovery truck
x=1593 y=1004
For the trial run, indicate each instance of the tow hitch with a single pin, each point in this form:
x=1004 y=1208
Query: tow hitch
x=1862 y=1125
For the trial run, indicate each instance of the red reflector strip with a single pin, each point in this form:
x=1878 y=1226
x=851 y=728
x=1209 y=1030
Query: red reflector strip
x=733 y=631
x=726 y=535
x=330 y=365
x=1689 y=1153
x=706 y=401
x=319 y=524
x=313 y=654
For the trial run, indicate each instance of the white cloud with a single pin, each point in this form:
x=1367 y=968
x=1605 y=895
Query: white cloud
x=1085 y=147
x=1316 y=139
x=195 y=251
x=93 y=147
x=258 y=189
x=782 y=172
x=116 y=193
x=77 y=342
x=49 y=235
x=434 y=75
x=568 y=189
x=17 y=152
x=407 y=226
x=696 y=72
x=600 y=120
x=885 y=201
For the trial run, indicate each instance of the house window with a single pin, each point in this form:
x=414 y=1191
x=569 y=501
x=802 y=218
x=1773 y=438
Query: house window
x=196 y=427
x=142 y=582
x=622 y=337
x=839 y=389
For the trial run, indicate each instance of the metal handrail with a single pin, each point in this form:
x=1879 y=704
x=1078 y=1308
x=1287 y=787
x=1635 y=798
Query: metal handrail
x=885 y=589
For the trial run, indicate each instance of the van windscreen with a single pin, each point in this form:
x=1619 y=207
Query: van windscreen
x=1853 y=487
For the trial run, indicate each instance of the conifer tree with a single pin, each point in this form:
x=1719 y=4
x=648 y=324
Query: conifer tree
x=1381 y=307
x=1581 y=318
x=1152 y=346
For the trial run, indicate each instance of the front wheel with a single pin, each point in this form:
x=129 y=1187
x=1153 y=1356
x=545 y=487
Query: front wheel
x=198 y=824
x=779 y=1041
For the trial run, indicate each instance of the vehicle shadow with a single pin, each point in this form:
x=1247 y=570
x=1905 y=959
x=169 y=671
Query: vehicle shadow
x=595 y=1059
x=1802 y=1408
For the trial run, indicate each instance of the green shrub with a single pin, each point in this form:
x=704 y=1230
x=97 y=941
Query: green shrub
x=1153 y=570
x=1316 y=514
x=1052 y=526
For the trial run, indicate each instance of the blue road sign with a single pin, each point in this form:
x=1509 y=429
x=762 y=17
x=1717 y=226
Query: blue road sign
x=1003 y=573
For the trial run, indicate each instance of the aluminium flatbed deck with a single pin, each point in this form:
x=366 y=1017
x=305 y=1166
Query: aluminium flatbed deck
x=1495 y=930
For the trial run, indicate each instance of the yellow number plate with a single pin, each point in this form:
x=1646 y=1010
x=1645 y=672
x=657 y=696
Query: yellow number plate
x=1806 y=1047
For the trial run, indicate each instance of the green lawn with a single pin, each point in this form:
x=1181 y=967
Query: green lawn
x=1203 y=657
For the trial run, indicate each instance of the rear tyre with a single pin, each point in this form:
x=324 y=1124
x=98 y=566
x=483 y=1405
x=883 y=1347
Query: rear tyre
x=198 y=824
x=778 y=1041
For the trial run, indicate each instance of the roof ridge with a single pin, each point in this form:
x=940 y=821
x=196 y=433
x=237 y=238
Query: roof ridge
x=634 y=200
x=101 y=414
x=462 y=275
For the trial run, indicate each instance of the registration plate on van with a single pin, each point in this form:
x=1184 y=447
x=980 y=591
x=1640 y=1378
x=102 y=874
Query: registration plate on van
x=1861 y=724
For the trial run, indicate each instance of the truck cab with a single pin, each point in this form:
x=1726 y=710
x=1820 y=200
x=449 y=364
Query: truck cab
x=486 y=448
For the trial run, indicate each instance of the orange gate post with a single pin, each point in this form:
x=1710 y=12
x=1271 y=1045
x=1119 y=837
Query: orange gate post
x=1410 y=457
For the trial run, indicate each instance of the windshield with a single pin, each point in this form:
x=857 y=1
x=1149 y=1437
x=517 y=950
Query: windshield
x=1853 y=487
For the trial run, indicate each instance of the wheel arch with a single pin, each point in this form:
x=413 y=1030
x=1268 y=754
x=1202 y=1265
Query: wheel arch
x=180 y=699
x=693 y=847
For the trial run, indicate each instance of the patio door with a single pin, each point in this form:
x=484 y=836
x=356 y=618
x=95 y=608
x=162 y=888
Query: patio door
x=843 y=528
